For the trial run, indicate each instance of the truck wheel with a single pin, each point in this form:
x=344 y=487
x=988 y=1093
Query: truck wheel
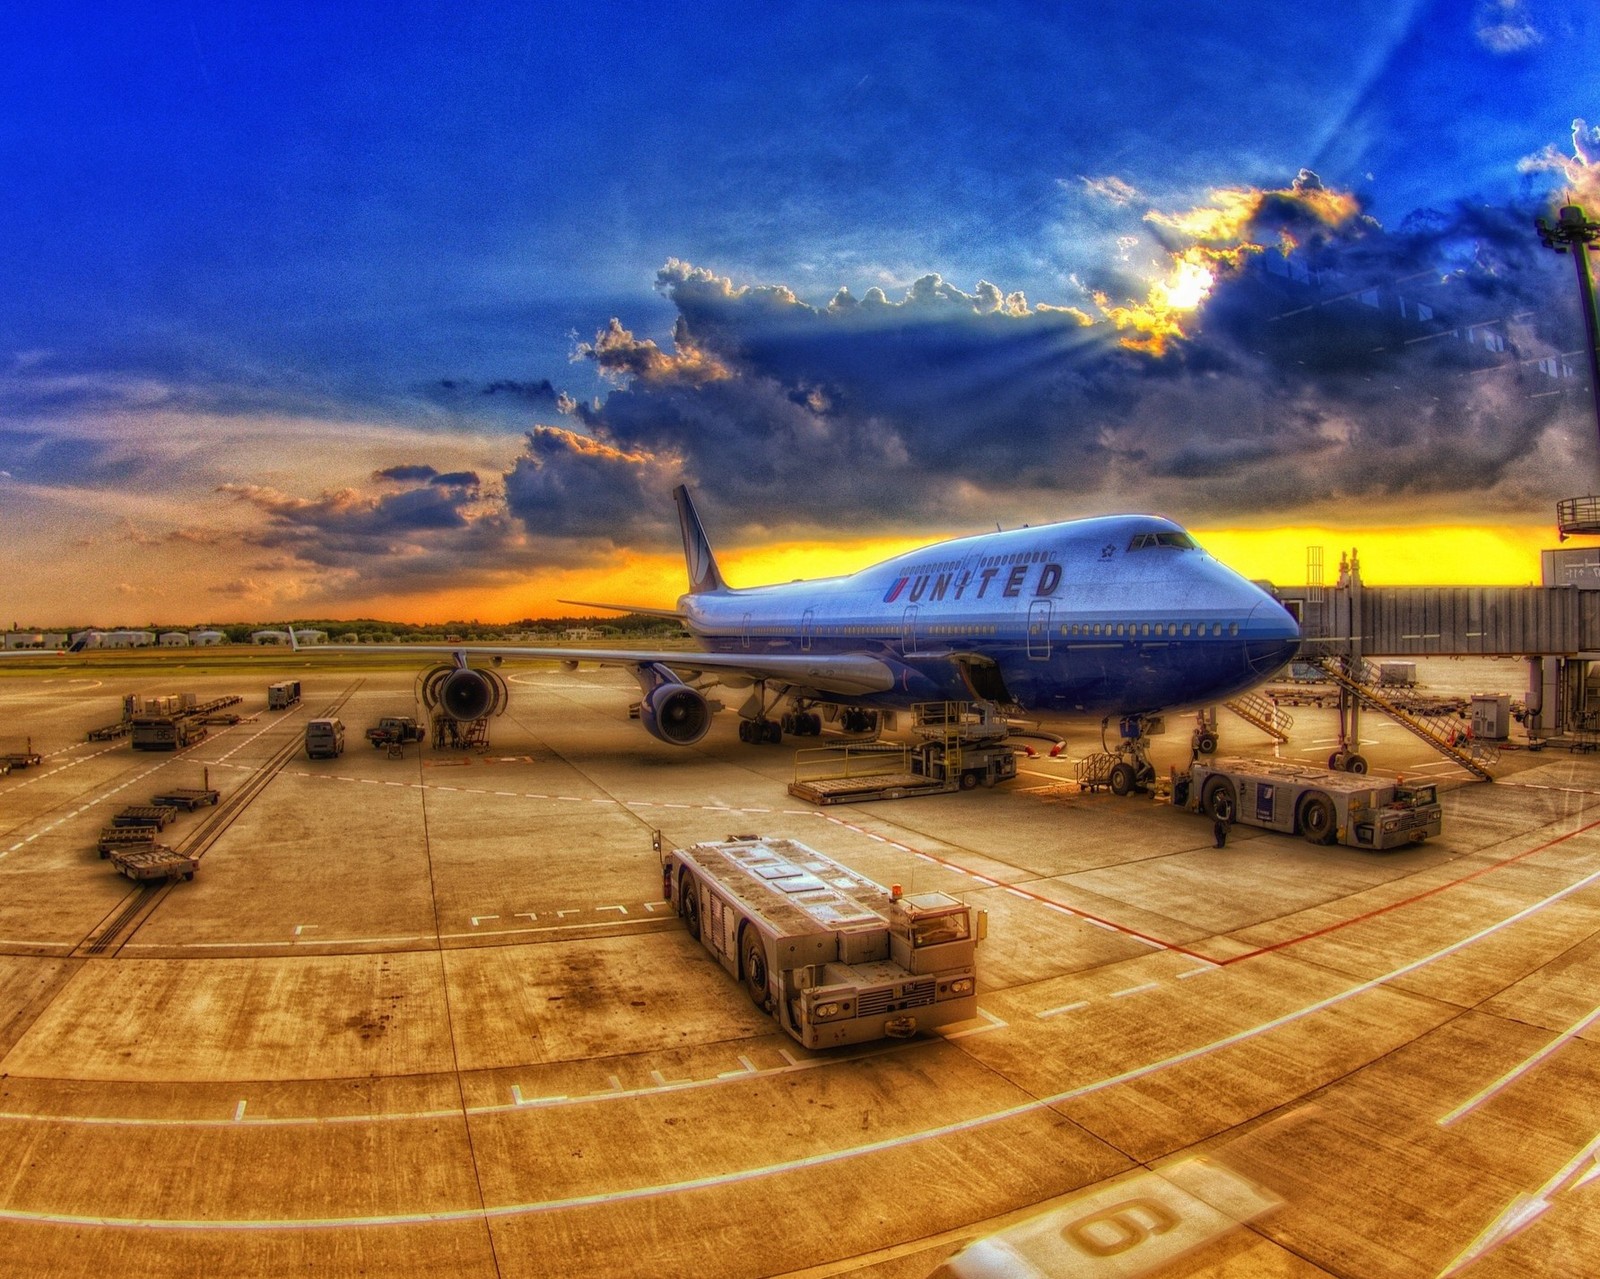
x=755 y=967
x=1219 y=800
x=969 y=779
x=1318 y=821
x=1122 y=779
x=1355 y=764
x=689 y=905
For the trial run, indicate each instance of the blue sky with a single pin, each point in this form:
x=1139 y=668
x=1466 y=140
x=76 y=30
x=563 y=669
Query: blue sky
x=295 y=285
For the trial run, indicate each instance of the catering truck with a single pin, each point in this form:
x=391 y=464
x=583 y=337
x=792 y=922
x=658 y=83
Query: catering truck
x=836 y=958
x=1324 y=806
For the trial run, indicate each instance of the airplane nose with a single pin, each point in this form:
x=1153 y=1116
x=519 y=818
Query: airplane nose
x=1274 y=638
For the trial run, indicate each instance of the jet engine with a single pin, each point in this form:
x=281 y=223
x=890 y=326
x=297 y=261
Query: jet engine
x=464 y=693
x=675 y=713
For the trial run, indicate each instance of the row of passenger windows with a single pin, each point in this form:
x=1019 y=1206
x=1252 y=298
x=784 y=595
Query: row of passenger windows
x=1074 y=630
x=1143 y=630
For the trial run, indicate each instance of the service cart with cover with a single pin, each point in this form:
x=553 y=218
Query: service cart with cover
x=836 y=958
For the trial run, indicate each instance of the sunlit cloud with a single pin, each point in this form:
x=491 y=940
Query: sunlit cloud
x=1577 y=171
x=1236 y=223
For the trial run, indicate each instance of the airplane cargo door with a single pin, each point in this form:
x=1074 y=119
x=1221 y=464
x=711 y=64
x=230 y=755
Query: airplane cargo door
x=1039 y=618
x=808 y=628
x=908 y=630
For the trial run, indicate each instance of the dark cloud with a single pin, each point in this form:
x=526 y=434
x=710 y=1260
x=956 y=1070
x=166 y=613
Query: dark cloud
x=459 y=390
x=423 y=537
x=406 y=474
x=1362 y=374
x=568 y=485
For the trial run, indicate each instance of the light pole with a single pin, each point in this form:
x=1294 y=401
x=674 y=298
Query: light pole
x=1574 y=231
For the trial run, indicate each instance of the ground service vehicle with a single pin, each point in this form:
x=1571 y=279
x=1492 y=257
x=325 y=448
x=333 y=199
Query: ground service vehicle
x=836 y=958
x=1324 y=806
x=281 y=696
x=324 y=739
x=166 y=732
x=395 y=730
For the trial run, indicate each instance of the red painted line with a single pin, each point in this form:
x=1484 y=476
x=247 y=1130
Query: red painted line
x=1250 y=954
x=1384 y=910
x=1033 y=896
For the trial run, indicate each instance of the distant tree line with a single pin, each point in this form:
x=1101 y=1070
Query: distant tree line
x=369 y=630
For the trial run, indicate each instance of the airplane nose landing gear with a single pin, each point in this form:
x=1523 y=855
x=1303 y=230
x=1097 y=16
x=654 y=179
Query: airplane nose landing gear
x=1133 y=770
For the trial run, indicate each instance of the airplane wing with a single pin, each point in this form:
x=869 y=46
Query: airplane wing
x=675 y=614
x=847 y=674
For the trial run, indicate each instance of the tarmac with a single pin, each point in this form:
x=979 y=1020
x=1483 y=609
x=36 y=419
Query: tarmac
x=430 y=1016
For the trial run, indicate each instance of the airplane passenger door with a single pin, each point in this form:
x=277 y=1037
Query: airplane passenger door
x=908 y=630
x=1040 y=614
x=808 y=628
x=744 y=630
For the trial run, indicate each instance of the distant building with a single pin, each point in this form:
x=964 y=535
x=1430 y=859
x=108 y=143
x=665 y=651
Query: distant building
x=24 y=639
x=127 y=639
x=207 y=637
x=311 y=637
x=88 y=639
x=269 y=637
x=174 y=639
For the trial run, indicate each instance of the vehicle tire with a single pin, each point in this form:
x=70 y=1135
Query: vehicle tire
x=813 y=724
x=969 y=779
x=1122 y=779
x=689 y=905
x=1318 y=821
x=1336 y=761
x=755 y=966
x=1355 y=764
x=787 y=722
x=1219 y=800
x=1206 y=744
x=772 y=733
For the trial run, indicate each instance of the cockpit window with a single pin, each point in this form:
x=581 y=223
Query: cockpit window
x=1180 y=541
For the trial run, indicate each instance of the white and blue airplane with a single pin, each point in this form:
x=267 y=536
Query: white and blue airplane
x=1117 y=617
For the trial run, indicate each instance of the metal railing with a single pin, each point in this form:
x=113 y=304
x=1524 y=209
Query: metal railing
x=1578 y=515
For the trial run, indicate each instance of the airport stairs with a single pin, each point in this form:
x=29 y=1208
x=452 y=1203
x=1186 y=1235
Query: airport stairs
x=1263 y=713
x=1445 y=733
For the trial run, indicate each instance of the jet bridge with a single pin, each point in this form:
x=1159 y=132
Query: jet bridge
x=1555 y=628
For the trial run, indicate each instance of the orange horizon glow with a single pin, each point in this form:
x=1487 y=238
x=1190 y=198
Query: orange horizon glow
x=1391 y=555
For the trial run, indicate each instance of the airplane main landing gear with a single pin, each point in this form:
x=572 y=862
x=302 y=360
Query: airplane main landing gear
x=802 y=723
x=1203 y=741
x=855 y=720
x=760 y=732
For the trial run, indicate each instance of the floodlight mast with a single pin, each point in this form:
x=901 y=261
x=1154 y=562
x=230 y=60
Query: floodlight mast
x=1572 y=230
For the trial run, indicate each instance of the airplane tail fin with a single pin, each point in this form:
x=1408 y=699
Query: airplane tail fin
x=704 y=576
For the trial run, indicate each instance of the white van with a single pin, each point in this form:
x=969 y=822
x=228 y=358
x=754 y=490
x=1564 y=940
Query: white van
x=324 y=738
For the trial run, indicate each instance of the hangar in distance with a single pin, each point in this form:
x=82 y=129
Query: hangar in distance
x=1111 y=617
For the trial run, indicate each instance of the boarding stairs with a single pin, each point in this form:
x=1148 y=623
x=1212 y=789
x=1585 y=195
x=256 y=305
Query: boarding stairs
x=1263 y=713
x=1445 y=733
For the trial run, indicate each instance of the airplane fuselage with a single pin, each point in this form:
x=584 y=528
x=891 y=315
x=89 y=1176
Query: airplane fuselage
x=1108 y=616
